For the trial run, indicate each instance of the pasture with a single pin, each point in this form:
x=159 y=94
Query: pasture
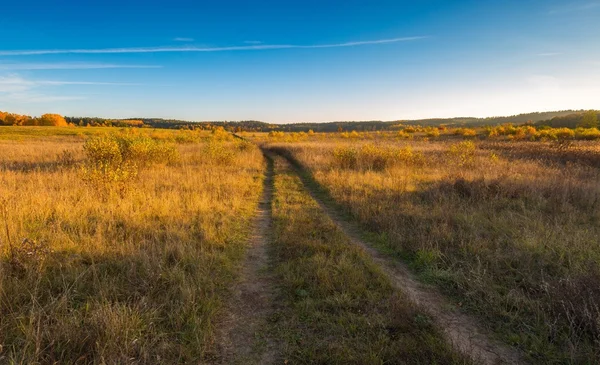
x=179 y=246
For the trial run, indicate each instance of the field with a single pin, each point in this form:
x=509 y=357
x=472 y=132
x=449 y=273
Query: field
x=507 y=229
x=160 y=246
x=93 y=276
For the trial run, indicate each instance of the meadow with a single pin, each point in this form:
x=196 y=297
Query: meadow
x=337 y=306
x=130 y=245
x=93 y=271
x=505 y=225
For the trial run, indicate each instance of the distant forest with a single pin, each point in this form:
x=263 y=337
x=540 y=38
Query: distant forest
x=565 y=118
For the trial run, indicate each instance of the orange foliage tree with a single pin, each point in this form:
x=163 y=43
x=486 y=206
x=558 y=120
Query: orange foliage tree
x=45 y=120
x=15 y=119
x=55 y=120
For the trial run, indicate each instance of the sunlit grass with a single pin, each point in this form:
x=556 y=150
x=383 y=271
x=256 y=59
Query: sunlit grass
x=113 y=279
x=20 y=133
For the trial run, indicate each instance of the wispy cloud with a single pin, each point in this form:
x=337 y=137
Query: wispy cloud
x=253 y=42
x=37 y=98
x=60 y=83
x=549 y=54
x=19 y=81
x=18 y=89
x=183 y=39
x=67 y=66
x=364 y=43
x=255 y=47
x=576 y=7
x=13 y=83
x=14 y=88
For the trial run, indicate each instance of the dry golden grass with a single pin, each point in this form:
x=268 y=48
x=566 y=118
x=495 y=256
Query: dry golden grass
x=505 y=132
x=508 y=229
x=118 y=279
x=90 y=273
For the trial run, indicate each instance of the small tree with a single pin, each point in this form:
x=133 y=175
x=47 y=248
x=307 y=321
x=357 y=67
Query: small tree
x=590 y=120
x=53 y=120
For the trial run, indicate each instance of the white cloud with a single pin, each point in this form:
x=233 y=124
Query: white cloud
x=18 y=89
x=363 y=43
x=549 y=54
x=44 y=82
x=68 y=66
x=37 y=98
x=256 y=47
x=183 y=39
x=13 y=84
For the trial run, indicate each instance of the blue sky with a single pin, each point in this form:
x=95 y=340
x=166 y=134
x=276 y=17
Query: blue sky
x=294 y=61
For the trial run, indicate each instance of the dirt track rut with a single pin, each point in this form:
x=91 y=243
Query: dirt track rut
x=240 y=335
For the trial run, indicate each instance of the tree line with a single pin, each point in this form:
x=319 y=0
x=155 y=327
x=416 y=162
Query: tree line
x=558 y=119
x=44 y=120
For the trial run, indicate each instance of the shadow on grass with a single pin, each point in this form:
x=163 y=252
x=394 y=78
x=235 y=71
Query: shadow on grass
x=153 y=304
x=526 y=295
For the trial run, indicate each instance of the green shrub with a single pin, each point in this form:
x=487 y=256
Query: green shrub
x=187 y=136
x=112 y=162
x=220 y=134
x=564 y=133
x=501 y=130
x=404 y=135
x=432 y=132
x=276 y=134
x=146 y=151
x=244 y=145
x=220 y=152
x=465 y=132
x=587 y=133
x=376 y=158
x=371 y=157
x=462 y=153
x=346 y=157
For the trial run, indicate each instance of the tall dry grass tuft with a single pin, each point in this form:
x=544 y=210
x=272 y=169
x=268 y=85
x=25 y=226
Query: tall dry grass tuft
x=113 y=162
x=462 y=153
x=371 y=157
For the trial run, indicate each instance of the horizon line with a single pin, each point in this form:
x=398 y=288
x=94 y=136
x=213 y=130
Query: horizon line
x=340 y=121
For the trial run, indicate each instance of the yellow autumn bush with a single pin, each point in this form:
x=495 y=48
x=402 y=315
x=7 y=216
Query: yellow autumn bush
x=372 y=157
x=113 y=161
